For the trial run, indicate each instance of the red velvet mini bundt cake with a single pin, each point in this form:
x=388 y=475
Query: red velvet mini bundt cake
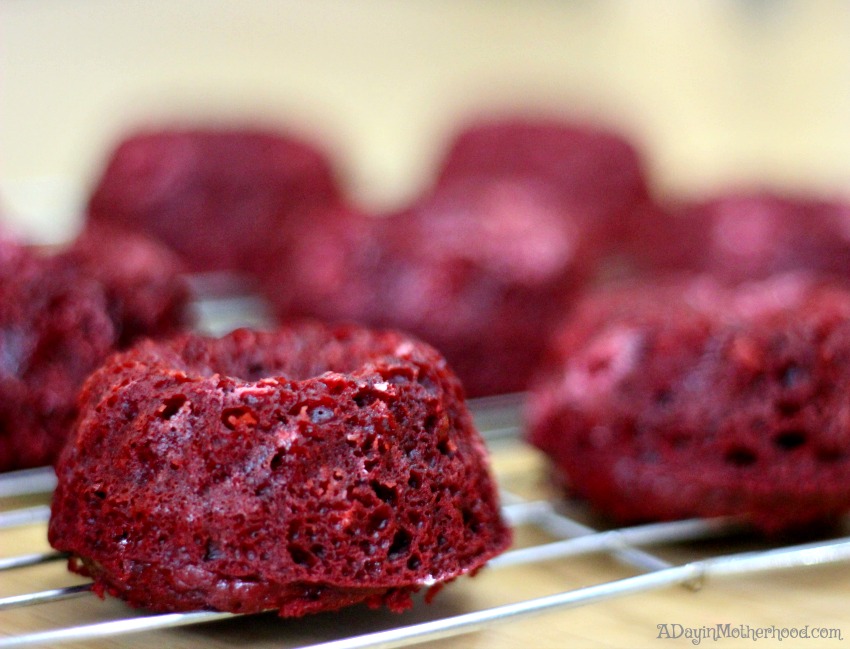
x=335 y=273
x=481 y=273
x=685 y=399
x=146 y=293
x=61 y=315
x=596 y=175
x=301 y=470
x=213 y=195
x=54 y=330
x=586 y=164
x=749 y=235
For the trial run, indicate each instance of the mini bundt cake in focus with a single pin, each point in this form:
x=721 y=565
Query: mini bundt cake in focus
x=686 y=399
x=299 y=470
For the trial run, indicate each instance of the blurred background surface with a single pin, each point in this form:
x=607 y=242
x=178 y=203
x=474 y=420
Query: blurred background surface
x=718 y=92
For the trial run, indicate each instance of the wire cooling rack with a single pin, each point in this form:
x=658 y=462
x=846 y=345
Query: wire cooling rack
x=551 y=535
x=560 y=535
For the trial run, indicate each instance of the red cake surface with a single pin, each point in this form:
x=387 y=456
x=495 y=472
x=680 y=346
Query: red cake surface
x=147 y=294
x=336 y=273
x=213 y=195
x=749 y=235
x=299 y=470
x=61 y=315
x=585 y=163
x=685 y=399
x=596 y=175
x=54 y=330
x=481 y=272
